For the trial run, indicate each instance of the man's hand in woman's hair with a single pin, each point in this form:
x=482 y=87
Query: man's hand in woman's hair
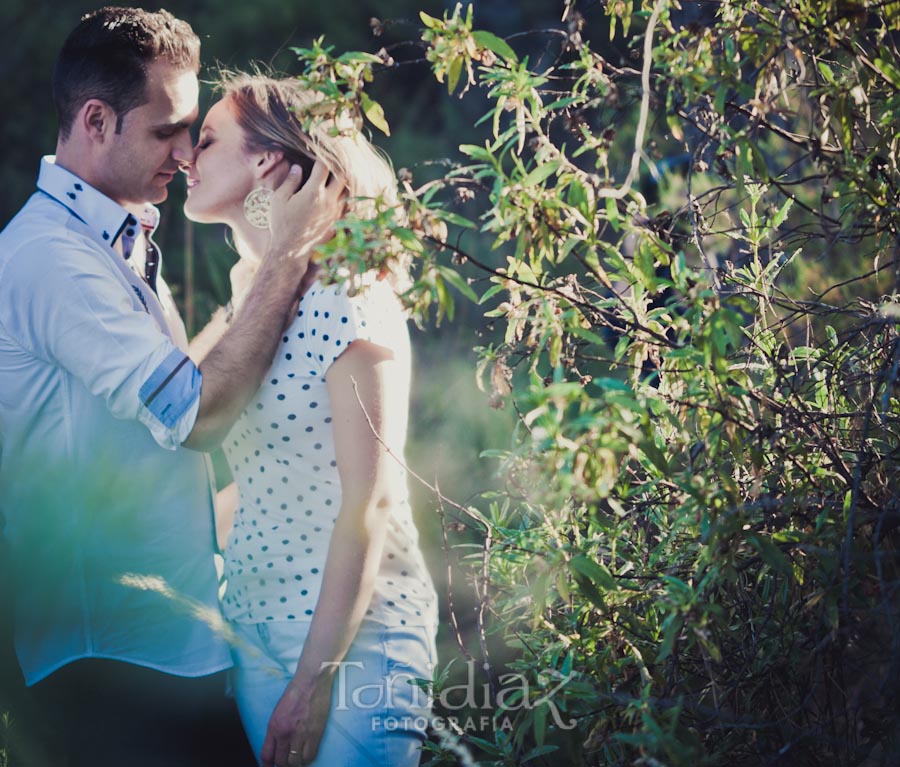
x=303 y=215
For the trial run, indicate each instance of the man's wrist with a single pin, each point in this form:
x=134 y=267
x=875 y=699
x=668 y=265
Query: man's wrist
x=293 y=251
x=282 y=268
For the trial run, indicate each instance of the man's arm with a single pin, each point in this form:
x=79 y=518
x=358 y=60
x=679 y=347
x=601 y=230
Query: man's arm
x=233 y=370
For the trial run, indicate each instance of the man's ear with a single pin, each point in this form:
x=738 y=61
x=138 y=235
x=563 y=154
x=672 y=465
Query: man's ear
x=97 y=120
x=267 y=162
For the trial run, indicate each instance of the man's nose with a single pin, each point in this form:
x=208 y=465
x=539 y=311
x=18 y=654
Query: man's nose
x=183 y=150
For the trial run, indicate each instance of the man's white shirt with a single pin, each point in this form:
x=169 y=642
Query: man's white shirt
x=109 y=520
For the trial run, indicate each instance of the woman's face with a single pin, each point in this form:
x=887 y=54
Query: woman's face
x=221 y=175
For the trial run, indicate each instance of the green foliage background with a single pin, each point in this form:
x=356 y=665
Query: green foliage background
x=671 y=231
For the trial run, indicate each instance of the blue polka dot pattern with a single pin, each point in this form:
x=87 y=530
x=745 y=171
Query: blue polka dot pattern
x=286 y=516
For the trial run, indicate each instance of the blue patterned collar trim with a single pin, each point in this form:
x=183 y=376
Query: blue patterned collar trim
x=105 y=216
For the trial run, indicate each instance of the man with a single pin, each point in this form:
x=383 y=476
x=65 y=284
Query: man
x=108 y=518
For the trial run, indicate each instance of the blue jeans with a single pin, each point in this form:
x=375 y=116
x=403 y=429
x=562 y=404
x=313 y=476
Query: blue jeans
x=377 y=717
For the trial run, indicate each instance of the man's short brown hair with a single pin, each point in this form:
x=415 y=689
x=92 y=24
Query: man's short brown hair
x=106 y=57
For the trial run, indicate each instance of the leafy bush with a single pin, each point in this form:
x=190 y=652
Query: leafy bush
x=691 y=258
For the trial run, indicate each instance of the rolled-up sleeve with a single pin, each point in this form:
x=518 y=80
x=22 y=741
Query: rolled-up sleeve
x=171 y=397
x=66 y=304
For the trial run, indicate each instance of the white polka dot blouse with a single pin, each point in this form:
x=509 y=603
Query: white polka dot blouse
x=282 y=454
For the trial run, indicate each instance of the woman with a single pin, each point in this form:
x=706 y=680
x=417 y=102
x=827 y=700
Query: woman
x=327 y=590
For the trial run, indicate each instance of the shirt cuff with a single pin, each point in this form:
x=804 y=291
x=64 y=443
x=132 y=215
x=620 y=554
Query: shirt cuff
x=170 y=399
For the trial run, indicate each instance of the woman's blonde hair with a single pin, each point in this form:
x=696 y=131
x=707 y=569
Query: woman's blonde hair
x=272 y=110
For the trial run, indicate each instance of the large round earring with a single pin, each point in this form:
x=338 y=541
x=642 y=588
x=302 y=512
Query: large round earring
x=256 y=207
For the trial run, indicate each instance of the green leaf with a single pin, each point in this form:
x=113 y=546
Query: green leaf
x=541 y=173
x=892 y=14
x=671 y=628
x=539 y=751
x=453 y=73
x=429 y=21
x=540 y=724
x=612 y=213
x=656 y=456
x=595 y=571
x=444 y=300
x=679 y=591
x=772 y=555
x=645 y=262
x=375 y=114
x=587 y=335
x=826 y=72
x=458 y=282
x=539 y=591
x=674 y=123
x=491 y=292
x=485 y=745
x=476 y=152
x=586 y=586
x=781 y=215
x=353 y=57
x=578 y=197
x=567 y=247
x=476 y=514
x=890 y=72
x=563 y=102
x=456 y=219
x=758 y=161
x=719 y=103
x=495 y=44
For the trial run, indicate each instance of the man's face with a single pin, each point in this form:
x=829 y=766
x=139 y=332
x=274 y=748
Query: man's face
x=155 y=139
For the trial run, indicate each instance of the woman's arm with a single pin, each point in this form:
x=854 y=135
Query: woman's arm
x=227 y=500
x=367 y=393
x=202 y=343
x=241 y=278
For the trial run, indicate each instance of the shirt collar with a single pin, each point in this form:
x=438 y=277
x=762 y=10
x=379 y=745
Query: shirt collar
x=104 y=216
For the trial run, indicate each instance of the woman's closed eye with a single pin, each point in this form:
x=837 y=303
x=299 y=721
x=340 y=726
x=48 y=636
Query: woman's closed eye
x=201 y=145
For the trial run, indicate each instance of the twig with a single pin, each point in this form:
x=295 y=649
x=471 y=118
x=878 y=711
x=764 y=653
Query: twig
x=623 y=190
x=451 y=602
x=434 y=489
x=488 y=540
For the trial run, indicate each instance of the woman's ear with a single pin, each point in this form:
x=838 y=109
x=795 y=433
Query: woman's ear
x=266 y=163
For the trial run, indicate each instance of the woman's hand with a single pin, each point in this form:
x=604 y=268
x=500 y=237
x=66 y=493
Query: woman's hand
x=297 y=723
